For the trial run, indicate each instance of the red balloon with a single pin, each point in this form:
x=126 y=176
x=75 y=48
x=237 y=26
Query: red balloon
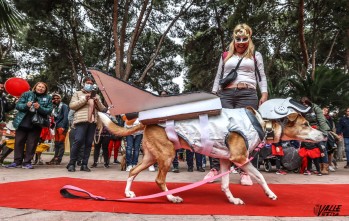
x=16 y=86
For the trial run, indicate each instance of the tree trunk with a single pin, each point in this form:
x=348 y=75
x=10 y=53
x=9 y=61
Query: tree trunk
x=134 y=39
x=301 y=37
x=118 y=59
x=347 y=55
x=77 y=47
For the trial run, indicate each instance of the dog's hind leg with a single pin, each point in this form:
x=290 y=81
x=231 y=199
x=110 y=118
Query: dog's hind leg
x=253 y=172
x=148 y=160
x=224 y=167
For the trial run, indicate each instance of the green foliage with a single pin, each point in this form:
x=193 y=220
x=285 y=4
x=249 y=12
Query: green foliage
x=10 y=19
x=329 y=88
x=62 y=37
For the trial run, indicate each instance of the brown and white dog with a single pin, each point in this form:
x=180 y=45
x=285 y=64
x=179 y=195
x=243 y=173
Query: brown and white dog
x=158 y=148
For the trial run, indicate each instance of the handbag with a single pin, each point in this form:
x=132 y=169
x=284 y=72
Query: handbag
x=230 y=77
x=39 y=120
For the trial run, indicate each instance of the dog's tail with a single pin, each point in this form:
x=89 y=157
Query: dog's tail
x=117 y=130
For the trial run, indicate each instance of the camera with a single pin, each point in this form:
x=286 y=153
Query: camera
x=94 y=91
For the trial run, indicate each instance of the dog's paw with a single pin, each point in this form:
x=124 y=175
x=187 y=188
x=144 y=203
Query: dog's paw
x=130 y=194
x=236 y=201
x=174 y=199
x=271 y=195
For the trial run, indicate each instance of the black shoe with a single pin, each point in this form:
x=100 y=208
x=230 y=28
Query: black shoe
x=94 y=165
x=71 y=168
x=85 y=168
x=116 y=162
x=190 y=169
x=106 y=165
x=79 y=163
x=200 y=169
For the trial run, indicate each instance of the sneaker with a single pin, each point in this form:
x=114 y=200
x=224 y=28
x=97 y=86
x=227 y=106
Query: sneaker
x=346 y=166
x=12 y=166
x=175 y=170
x=331 y=168
x=213 y=172
x=106 y=166
x=151 y=168
x=281 y=172
x=246 y=180
x=28 y=166
x=317 y=173
x=233 y=170
x=307 y=172
x=94 y=165
x=128 y=168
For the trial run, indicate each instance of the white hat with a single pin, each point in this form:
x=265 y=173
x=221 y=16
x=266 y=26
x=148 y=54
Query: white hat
x=279 y=108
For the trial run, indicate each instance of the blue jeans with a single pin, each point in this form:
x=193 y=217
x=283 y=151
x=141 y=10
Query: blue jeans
x=346 y=146
x=132 y=149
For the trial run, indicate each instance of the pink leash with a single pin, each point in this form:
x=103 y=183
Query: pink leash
x=66 y=191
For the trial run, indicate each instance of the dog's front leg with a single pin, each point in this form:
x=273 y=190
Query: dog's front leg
x=128 y=192
x=253 y=172
x=224 y=167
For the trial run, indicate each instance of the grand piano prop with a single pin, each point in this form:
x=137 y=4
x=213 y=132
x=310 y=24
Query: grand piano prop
x=123 y=98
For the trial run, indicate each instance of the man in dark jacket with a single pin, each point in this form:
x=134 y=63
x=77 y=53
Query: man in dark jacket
x=5 y=106
x=343 y=131
x=60 y=126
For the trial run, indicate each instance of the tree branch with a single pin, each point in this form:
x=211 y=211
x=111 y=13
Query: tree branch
x=331 y=48
x=152 y=60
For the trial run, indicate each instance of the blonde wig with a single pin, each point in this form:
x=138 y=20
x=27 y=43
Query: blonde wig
x=241 y=30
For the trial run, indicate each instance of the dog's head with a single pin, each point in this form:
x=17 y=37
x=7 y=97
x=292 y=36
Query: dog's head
x=288 y=123
x=296 y=127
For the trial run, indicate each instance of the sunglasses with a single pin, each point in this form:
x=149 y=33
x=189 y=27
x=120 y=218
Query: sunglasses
x=241 y=39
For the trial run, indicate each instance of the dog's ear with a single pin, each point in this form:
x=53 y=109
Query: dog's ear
x=251 y=109
x=292 y=117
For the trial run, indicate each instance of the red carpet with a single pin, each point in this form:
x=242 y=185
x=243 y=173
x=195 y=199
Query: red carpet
x=293 y=200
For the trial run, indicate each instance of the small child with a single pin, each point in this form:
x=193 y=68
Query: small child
x=311 y=153
x=277 y=151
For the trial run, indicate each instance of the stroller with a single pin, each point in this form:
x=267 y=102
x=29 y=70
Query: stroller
x=290 y=161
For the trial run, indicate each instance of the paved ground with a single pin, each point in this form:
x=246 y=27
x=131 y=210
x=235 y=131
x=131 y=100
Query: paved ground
x=341 y=176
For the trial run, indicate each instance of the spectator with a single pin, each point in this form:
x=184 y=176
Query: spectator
x=61 y=125
x=343 y=132
x=190 y=161
x=277 y=151
x=8 y=142
x=85 y=103
x=331 y=144
x=241 y=92
x=102 y=139
x=310 y=153
x=133 y=143
x=71 y=137
x=115 y=141
x=27 y=134
x=5 y=106
x=317 y=120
